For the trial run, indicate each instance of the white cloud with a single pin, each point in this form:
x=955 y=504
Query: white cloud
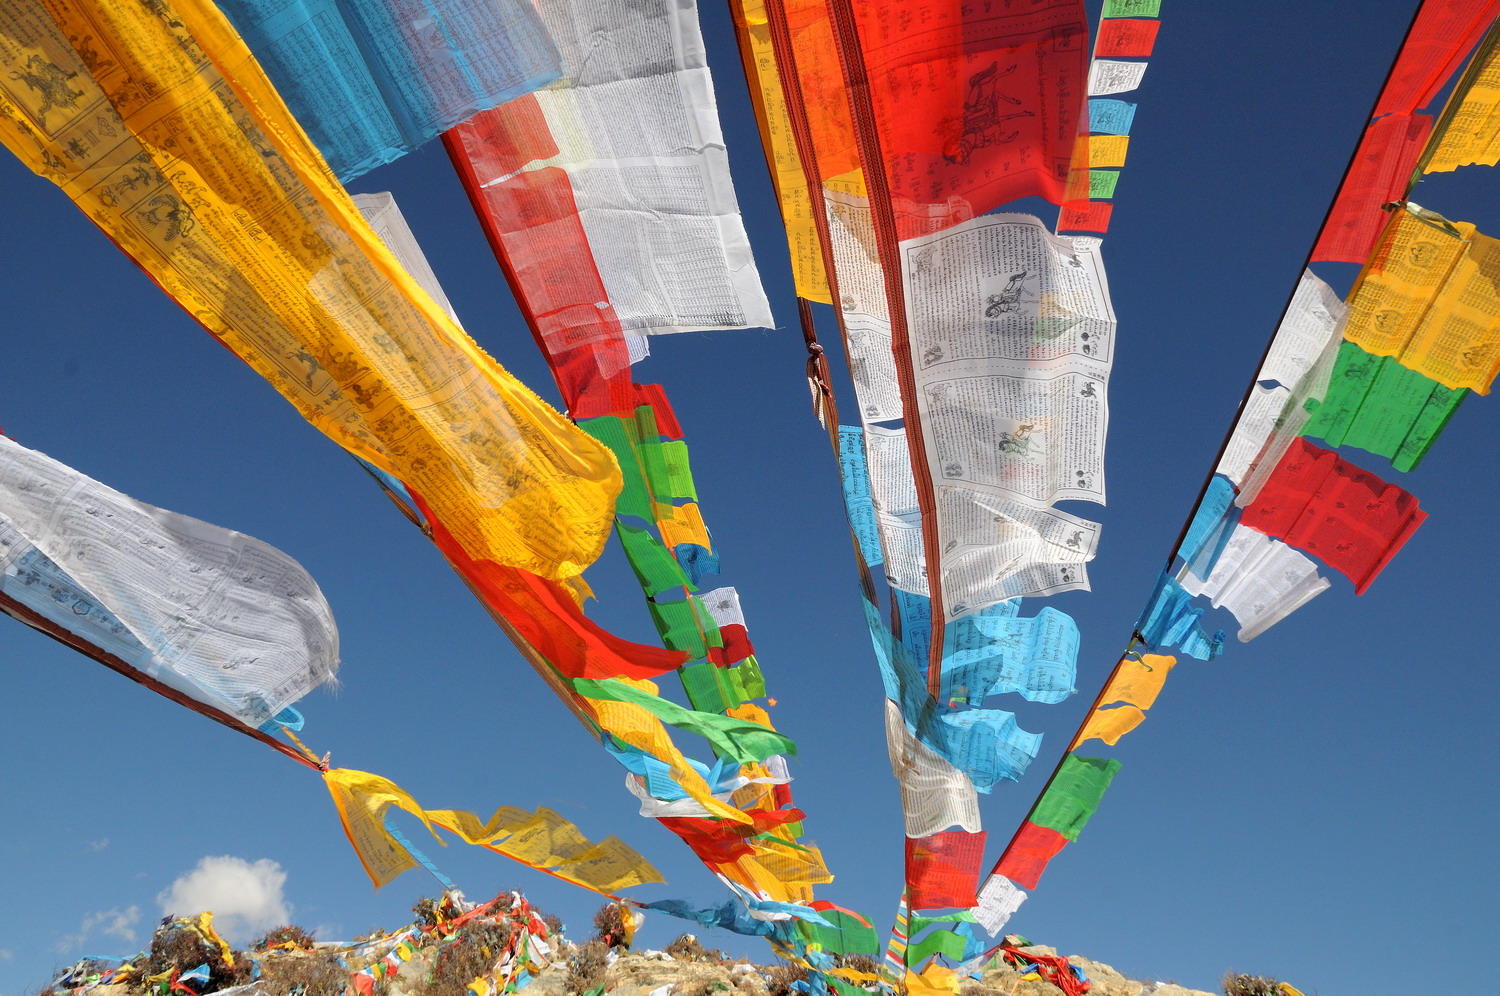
x=98 y=845
x=114 y=922
x=245 y=896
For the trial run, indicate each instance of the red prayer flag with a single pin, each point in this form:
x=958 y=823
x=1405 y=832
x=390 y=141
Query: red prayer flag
x=1126 y=38
x=942 y=871
x=1345 y=516
x=1026 y=858
x=1380 y=173
x=1440 y=38
x=546 y=617
x=1085 y=216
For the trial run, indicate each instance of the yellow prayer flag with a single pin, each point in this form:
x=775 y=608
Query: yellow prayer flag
x=1110 y=725
x=362 y=800
x=786 y=173
x=1430 y=297
x=1470 y=134
x=681 y=524
x=609 y=866
x=178 y=147
x=1108 y=151
x=1139 y=680
x=934 y=980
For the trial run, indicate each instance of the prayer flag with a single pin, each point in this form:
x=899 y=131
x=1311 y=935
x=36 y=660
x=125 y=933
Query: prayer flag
x=1028 y=854
x=942 y=870
x=1073 y=795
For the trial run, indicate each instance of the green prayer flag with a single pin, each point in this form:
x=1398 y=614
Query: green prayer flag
x=611 y=431
x=847 y=936
x=1074 y=794
x=1102 y=182
x=1131 y=8
x=667 y=469
x=654 y=566
x=748 y=679
x=709 y=688
x=737 y=739
x=1377 y=405
x=944 y=942
x=681 y=627
x=916 y=921
x=645 y=424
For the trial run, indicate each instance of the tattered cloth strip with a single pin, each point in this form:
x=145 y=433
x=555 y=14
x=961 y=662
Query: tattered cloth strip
x=1259 y=579
x=371 y=80
x=1430 y=297
x=542 y=839
x=1345 y=516
x=942 y=869
x=628 y=146
x=1375 y=404
x=180 y=149
x=1172 y=620
x=217 y=615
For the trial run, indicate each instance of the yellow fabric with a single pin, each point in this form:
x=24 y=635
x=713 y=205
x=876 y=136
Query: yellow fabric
x=1430 y=297
x=543 y=839
x=362 y=799
x=751 y=713
x=1287 y=989
x=1471 y=136
x=178 y=147
x=204 y=925
x=1139 y=680
x=1108 y=150
x=934 y=980
x=682 y=524
x=1110 y=725
x=797 y=211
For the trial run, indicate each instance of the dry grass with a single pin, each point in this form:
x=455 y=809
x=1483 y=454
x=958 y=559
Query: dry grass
x=177 y=949
x=290 y=934
x=587 y=967
x=310 y=973
x=689 y=948
x=609 y=924
x=779 y=978
x=465 y=957
x=1236 y=984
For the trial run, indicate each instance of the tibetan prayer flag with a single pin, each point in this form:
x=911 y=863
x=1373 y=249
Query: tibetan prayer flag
x=1212 y=523
x=362 y=800
x=1108 y=116
x=847 y=933
x=1085 y=216
x=723 y=607
x=550 y=620
x=1131 y=8
x=1126 y=38
x=1028 y=854
x=1471 y=134
x=1109 y=725
x=685 y=625
x=1108 y=151
x=1259 y=579
x=942 y=870
x=681 y=524
x=988 y=654
x=1377 y=405
x=1381 y=172
x=937 y=942
x=999 y=898
x=1345 y=516
x=738 y=739
x=934 y=794
x=787 y=172
x=1442 y=34
x=372 y=80
x=1171 y=620
x=181 y=151
x=1073 y=795
x=1430 y=297
x=1138 y=680
x=655 y=568
x=214 y=614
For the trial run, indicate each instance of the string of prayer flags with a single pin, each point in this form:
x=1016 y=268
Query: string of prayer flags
x=1428 y=297
x=1171 y=620
x=1470 y=135
x=216 y=615
x=1259 y=579
x=371 y=82
x=1345 y=516
x=224 y=202
x=1375 y=404
x=942 y=870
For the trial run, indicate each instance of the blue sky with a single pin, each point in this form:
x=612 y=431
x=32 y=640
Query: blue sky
x=1298 y=807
